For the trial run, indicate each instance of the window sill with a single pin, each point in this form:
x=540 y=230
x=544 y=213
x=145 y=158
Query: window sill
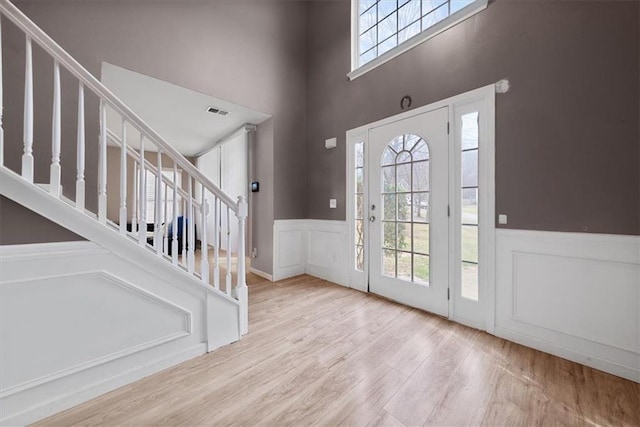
x=440 y=27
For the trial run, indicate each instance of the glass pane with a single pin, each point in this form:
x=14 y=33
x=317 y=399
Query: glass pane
x=421 y=176
x=388 y=44
x=429 y=5
x=409 y=13
x=387 y=27
x=404 y=266
x=420 y=151
x=359 y=206
x=410 y=141
x=367 y=20
x=389 y=263
x=421 y=238
x=368 y=56
x=385 y=7
x=456 y=5
x=365 y=4
x=404 y=236
x=470 y=281
x=389 y=235
x=403 y=157
x=389 y=179
x=420 y=207
x=359 y=154
x=389 y=201
x=359 y=180
x=470 y=206
x=389 y=156
x=404 y=177
x=368 y=40
x=470 y=243
x=397 y=144
x=470 y=168
x=434 y=17
x=404 y=207
x=421 y=269
x=469 y=131
x=360 y=258
x=408 y=32
x=359 y=232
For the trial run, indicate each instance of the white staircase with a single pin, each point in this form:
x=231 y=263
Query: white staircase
x=79 y=319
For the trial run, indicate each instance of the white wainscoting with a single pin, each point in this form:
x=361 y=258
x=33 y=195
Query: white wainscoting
x=315 y=247
x=77 y=320
x=575 y=295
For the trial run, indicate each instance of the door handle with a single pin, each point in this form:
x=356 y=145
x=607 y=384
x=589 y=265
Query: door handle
x=372 y=218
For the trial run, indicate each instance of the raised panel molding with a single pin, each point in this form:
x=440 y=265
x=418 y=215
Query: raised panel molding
x=318 y=249
x=573 y=295
x=78 y=320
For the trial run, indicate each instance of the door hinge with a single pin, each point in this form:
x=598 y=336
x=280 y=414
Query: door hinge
x=448 y=128
x=448 y=210
x=448 y=296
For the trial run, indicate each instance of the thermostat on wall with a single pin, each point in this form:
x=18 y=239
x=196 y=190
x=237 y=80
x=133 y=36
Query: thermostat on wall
x=255 y=187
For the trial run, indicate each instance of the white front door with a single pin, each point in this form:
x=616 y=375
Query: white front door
x=408 y=189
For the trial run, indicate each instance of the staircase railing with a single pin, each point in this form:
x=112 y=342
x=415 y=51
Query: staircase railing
x=175 y=200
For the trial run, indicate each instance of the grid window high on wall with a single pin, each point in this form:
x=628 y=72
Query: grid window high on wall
x=382 y=26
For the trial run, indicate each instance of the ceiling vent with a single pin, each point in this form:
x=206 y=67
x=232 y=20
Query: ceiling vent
x=215 y=110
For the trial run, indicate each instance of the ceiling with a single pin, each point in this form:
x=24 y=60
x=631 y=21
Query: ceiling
x=178 y=114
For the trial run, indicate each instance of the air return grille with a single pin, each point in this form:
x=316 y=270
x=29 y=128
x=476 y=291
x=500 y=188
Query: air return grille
x=215 y=110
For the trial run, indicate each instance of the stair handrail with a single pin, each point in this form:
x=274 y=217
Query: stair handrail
x=75 y=68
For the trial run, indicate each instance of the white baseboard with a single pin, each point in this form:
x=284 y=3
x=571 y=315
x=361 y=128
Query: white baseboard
x=261 y=274
x=575 y=295
x=314 y=247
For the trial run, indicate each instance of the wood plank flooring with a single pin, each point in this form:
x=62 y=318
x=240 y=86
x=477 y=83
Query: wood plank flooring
x=320 y=354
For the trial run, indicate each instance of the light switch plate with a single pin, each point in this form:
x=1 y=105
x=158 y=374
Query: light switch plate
x=333 y=203
x=502 y=219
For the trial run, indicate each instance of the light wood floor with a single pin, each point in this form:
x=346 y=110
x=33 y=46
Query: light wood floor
x=321 y=354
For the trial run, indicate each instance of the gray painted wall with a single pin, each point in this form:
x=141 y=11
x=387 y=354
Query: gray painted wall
x=248 y=52
x=567 y=134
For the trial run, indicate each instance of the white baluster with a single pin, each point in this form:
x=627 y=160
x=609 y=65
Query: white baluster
x=1 y=104
x=27 y=157
x=157 y=239
x=135 y=192
x=174 y=237
x=191 y=259
x=142 y=198
x=55 y=171
x=102 y=166
x=80 y=192
x=216 y=242
x=241 y=291
x=184 y=233
x=165 y=227
x=228 y=277
x=123 y=179
x=204 y=270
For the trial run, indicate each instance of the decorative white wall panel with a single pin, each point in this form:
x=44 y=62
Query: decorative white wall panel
x=289 y=244
x=77 y=320
x=315 y=247
x=571 y=294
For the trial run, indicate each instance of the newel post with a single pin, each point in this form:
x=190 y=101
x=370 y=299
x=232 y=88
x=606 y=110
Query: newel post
x=241 y=290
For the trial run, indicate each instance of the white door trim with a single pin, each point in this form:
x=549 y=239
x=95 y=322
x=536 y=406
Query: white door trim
x=485 y=95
